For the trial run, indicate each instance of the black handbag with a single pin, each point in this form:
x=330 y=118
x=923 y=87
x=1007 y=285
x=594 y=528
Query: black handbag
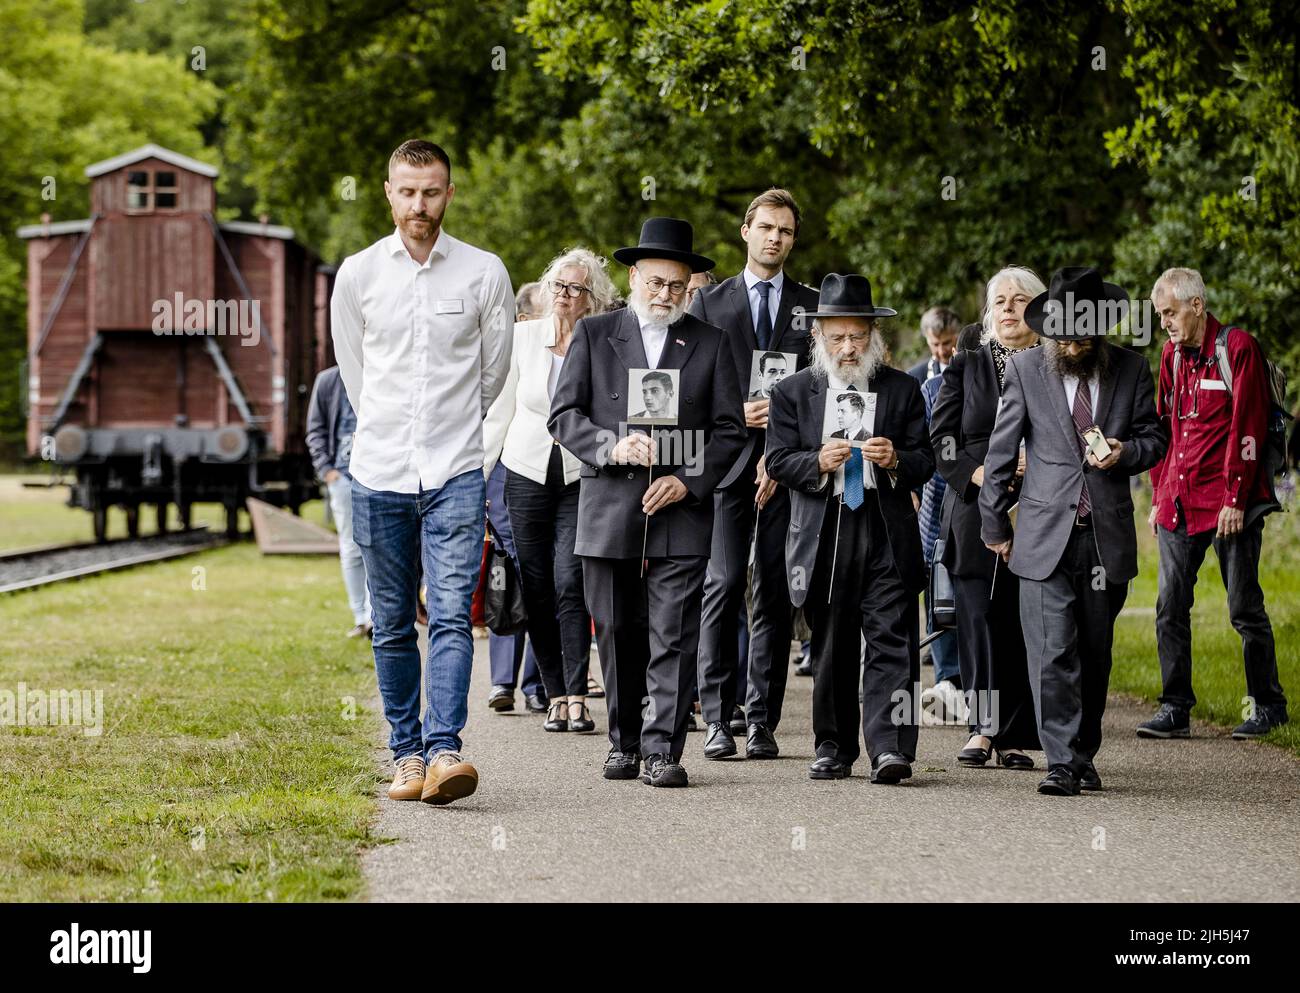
x=503 y=600
x=943 y=602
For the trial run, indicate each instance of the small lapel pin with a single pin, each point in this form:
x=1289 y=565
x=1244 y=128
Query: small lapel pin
x=679 y=341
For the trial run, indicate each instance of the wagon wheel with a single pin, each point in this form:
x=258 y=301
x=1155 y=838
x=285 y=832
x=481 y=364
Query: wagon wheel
x=133 y=521
x=99 y=519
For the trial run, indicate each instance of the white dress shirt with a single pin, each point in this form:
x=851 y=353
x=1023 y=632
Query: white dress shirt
x=515 y=428
x=653 y=338
x=423 y=351
x=1072 y=387
x=773 y=299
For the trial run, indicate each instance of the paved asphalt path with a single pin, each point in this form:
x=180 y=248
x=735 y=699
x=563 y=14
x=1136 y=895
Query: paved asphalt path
x=1205 y=819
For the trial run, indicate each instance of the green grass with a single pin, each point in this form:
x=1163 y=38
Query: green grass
x=1218 y=673
x=236 y=754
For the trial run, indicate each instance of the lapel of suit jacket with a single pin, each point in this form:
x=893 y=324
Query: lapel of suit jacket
x=1105 y=391
x=627 y=343
x=1056 y=397
x=679 y=345
x=817 y=404
x=789 y=295
x=740 y=303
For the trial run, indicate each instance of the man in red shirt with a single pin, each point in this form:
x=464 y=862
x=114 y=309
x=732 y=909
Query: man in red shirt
x=1210 y=488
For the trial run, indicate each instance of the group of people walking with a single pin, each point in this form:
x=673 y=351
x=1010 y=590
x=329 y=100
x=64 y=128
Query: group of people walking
x=775 y=463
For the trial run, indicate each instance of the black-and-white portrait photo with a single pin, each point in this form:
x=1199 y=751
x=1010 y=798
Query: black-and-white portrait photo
x=850 y=415
x=652 y=396
x=766 y=369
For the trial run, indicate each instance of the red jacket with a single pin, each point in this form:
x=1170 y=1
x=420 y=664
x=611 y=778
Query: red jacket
x=1214 y=456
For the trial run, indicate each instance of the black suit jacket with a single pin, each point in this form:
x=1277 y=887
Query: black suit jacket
x=960 y=426
x=794 y=441
x=727 y=306
x=589 y=414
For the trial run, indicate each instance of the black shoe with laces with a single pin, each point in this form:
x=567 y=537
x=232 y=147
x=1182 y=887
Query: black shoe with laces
x=663 y=770
x=737 y=723
x=1264 y=721
x=1169 y=722
x=622 y=765
x=718 y=742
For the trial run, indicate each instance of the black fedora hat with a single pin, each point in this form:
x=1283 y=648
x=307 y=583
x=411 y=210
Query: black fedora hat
x=1076 y=305
x=665 y=238
x=848 y=296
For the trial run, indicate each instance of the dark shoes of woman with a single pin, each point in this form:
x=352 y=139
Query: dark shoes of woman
x=580 y=717
x=557 y=717
x=1015 y=759
x=975 y=754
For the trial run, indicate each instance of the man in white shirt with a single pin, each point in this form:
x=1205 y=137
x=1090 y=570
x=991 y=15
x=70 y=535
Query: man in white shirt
x=421 y=325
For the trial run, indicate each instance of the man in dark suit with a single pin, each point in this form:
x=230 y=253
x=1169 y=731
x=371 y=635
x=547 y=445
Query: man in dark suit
x=850 y=409
x=853 y=552
x=1075 y=545
x=940 y=327
x=772 y=368
x=644 y=523
x=760 y=308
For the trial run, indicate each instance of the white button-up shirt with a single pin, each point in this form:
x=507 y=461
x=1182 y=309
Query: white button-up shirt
x=423 y=351
x=653 y=339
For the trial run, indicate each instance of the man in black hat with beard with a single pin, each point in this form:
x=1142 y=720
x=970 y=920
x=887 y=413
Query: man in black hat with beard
x=645 y=511
x=1075 y=545
x=853 y=553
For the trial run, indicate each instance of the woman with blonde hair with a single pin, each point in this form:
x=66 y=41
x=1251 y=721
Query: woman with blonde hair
x=541 y=486
x=991 y=645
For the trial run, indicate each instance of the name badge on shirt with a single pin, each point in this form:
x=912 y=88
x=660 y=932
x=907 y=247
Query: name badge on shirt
x=450 y=307
x=1213 y=384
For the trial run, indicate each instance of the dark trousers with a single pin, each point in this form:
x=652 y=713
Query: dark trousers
x=1069 y=631
x=994 y=673
x=1181 y=556
x=734 y=528
x=867 y=600
x=507 y=653
x=544 y=519
x=647 y=637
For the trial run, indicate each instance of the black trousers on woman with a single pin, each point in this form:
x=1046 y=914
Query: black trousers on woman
x=544 y=519
x=991 y=654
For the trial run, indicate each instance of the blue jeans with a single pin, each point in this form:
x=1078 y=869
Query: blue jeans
x=442 y=528
x=943 y=653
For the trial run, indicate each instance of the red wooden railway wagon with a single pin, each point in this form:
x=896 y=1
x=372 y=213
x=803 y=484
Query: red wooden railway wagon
x=171 y=356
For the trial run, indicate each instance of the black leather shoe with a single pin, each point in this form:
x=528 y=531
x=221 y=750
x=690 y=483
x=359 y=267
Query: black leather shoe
x=663 y=770
x=1014 y=760
x=718 y=742
x=580 y=718
x=1090 y=780
x=803 y=669
x=1059 y=781
x=827 y=767
x=535 y=703
x=737 y=723
x=890 y=768
x=502 y=698
x=1169 y=722
x=622 y=765
x=557 y=718
x=974 y=756
x=760 y=743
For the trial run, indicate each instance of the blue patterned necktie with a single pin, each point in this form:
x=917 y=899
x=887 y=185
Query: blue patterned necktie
x=853 y=493
x=763 y=330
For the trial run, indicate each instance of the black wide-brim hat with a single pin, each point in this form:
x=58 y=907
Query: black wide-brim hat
x=848 y=296
x=666 y=238
x=1056 y=313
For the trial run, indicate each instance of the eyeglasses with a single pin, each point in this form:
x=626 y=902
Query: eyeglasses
x=656 y=285
x=568 y=289
x=836 y=340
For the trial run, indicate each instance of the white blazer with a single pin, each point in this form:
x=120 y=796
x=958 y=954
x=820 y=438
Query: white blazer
x=514 y=430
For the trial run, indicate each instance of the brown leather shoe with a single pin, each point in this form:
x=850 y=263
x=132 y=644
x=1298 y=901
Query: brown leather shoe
x=449 y=777
x=409 y=780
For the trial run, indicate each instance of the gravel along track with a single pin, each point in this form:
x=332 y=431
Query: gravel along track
x=24 y=569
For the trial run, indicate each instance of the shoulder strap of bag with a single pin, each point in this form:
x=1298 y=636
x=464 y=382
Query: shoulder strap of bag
x=1221 y=355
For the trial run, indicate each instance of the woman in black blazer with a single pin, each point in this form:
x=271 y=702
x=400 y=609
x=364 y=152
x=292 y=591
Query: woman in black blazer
x=991 y=646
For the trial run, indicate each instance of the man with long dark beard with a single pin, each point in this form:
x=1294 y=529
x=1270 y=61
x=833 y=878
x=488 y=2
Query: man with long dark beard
x=1075 y=545
x=853 y=553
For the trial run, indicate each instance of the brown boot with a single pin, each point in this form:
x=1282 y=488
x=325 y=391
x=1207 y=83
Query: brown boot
x=409 y=780
x=449 y=777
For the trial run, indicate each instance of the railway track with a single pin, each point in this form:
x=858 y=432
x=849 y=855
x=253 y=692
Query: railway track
x=27 y=568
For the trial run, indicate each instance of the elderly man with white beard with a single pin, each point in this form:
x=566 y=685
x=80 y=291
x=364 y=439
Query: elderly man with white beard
x=853 y=554
x=645 y=511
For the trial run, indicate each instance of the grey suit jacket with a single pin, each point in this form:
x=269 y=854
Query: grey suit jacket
x=1034 y=408
x=589 y=414
x=794 y=442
